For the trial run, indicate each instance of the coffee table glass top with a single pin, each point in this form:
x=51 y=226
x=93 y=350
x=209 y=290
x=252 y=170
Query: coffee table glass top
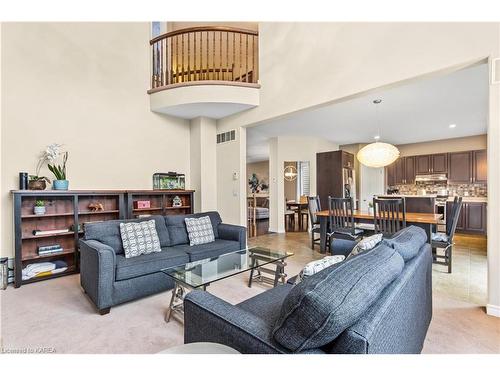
x=203 y=272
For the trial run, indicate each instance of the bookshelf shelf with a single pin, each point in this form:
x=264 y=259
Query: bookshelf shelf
x=54 y=255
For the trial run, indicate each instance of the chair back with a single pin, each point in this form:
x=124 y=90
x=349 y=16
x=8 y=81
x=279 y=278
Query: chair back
x=457 y=206
x=389 y=215
x=341 y=215
x=314 y=206
x=449 y=218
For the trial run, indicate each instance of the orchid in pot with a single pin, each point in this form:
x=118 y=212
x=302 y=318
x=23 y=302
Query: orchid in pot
x=53 y=154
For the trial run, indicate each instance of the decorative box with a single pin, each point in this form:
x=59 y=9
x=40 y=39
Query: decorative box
x=142 y=204
x=169 y=181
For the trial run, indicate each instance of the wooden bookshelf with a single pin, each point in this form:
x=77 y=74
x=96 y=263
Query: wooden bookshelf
x=71 y=210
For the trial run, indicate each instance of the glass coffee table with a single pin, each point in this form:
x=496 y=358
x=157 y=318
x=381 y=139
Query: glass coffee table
x=200 y=274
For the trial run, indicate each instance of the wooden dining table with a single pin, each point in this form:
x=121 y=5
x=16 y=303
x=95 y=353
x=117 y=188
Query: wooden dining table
x=427 y=221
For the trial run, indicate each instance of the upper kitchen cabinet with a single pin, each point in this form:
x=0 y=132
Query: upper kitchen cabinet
x=480 y=167
x=423 y=164
x=410 y=169
x=460 y=167
x=399 y=171
x=390 y=172
x=439 y=163
x=347 y=160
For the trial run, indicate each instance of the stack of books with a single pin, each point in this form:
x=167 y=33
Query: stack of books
x=49 y=249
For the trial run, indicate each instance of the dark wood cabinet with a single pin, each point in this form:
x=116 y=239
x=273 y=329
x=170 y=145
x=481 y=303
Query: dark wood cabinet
x=390 y=172
x=347 y=160
x=423 y=164
x=399 y=171
x=409 y=170
x=480 y=167
x=472 y=218
x=460 y=167
x=439 y=163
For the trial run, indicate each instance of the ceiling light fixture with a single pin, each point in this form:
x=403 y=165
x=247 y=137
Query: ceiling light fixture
x=452 y=126
x=378 y=154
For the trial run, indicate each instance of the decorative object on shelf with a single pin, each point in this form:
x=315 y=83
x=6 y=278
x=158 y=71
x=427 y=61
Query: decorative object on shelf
x=378 y=154
x=4 y=273
x=96 y=206
x=169 y=181
x=38 y=232
x=76 y=228
x=52 y=154
x=290 y=173
x=142 y=204
x=176 y=201
x=23 y=181
x=49 y=249
x=39 y=208
x=256 y=185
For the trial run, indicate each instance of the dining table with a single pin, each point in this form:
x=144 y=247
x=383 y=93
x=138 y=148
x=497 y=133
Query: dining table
x=427 y=221
x=298 y=206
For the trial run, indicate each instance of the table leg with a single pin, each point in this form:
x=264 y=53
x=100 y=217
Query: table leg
x=280 y=273
x=251 y=272
x=175 y=301
x=323 y=221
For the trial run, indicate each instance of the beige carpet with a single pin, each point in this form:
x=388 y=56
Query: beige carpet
x=56 y=314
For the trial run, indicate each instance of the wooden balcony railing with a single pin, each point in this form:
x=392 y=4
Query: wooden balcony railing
x=204 y=55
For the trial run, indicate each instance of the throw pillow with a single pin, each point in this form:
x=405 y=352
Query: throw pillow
x=367 y=243
x=139 y=238
x=199 y=230
x=317 y=265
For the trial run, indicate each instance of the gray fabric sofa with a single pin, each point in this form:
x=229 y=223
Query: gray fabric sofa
x=109 y=278
x=379 y=301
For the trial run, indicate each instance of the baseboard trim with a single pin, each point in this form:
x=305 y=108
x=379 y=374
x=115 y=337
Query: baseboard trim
x=493 y=310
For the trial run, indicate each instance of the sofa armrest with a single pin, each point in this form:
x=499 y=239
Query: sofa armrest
x=210 y=319
x=233 y=233
x=97 y=271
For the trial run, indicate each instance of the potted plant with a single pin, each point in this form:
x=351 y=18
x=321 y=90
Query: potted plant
x=39 y=208
x=53 y=153
x=37 y=182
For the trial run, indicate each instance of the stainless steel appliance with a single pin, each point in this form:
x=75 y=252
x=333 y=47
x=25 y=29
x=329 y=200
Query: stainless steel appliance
x=441 y=210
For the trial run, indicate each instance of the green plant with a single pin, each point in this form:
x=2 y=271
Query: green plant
x=39 y=178
x=59 y=171
x=39 y=203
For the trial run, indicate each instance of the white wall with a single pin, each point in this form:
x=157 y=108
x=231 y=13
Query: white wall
x=83 y=85
x=203 y=163
x=288 y=148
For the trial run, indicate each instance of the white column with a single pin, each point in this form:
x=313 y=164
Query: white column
x=493 y=307
x=203 y=163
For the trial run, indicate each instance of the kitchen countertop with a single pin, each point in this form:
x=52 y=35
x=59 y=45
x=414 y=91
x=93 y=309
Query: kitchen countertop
x=450 y=198
x=471 y=199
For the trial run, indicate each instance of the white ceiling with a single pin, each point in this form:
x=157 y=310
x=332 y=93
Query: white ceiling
x=417 y=112
x=211 y=110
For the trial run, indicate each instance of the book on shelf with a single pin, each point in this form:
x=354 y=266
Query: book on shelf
x=143 y=216
x=38 y=232
x=50 y=249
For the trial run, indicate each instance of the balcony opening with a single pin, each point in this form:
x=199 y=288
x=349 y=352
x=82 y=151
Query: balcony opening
x=204 y=55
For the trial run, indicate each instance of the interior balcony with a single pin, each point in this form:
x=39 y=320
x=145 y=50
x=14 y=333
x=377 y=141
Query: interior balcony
x=209 y=71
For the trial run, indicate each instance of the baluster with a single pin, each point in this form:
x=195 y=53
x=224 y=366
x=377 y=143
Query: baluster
x=208 y=58
x=234 y=56
x=239 y=69
x=171 y=71
x=227 y=55
x=182 y=59
x=153 y=66
x=213 y=57
x=220 y=60
x=246 y=59
x=189 y=53
x=161 y=63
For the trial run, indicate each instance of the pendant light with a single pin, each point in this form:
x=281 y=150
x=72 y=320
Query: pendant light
x=378 y=154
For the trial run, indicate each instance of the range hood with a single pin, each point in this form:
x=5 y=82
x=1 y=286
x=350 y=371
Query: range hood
x=431 y=177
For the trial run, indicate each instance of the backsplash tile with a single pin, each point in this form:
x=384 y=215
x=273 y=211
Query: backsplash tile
x=472 y=190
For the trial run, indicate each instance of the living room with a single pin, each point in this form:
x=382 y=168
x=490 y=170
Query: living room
x=131 y=195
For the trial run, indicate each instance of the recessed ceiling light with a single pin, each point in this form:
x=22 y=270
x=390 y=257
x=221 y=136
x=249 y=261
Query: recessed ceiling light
x=452 y=126
x=377 y=137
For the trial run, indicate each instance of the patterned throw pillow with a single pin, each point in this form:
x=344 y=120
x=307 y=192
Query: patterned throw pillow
x=366 y=244
x=199 y=230
x=318 y=265
x=139 y=238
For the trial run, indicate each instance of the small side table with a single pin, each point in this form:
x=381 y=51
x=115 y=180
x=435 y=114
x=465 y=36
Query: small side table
x=257 y=271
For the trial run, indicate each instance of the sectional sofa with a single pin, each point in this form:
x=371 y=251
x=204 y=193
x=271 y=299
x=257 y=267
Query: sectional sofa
x=379 y=301
x=109 y=278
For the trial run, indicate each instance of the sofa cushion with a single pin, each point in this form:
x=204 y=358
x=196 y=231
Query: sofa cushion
x=407 y=241
x=177 y=227
x=108 y=232
x=139 y=238
x=321 y=307
x=200 y=230
x=127 y=268
x=209 y=250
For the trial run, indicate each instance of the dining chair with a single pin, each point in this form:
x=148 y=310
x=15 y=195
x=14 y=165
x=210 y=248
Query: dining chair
x=341 y=220
x=304 y=213
x=389 y=215
x=314 y=206
x=445 y=241
x=289 y=217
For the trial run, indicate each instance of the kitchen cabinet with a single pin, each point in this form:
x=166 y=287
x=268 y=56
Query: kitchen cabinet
x=480 y=167
x=399 y=171
x=409 y=169
x=390 y=172
x=423 y=164
x=472 y=218
x=439 y=163
x=460 y=167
